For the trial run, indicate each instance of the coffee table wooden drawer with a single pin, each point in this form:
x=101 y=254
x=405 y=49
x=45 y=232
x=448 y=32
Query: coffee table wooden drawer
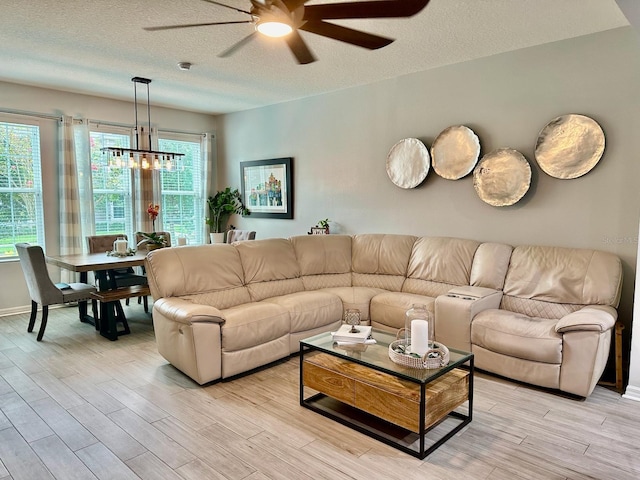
x=383 y=395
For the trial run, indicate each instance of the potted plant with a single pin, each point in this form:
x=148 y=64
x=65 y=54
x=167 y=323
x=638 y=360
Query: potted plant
x=221 y=206
x=152 y=240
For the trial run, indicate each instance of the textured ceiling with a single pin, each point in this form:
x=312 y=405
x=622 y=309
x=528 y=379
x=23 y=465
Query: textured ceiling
x=95 y=47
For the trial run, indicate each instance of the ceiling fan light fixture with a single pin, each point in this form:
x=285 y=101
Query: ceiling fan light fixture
x=272 y=28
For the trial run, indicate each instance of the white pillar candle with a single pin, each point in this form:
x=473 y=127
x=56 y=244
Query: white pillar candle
x=419 y=336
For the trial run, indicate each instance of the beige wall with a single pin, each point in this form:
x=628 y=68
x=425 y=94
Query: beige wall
x=339 y=142
x=13 y=291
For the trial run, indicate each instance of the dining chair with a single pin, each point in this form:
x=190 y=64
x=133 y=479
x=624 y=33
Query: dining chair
x=240 y=235
x=119 y=277
x=42 y=290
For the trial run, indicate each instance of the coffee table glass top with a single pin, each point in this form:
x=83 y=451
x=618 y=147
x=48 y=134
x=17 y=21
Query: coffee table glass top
x=377 y=356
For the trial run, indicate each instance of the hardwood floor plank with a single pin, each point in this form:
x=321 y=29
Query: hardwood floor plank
x=202 y=401
x=271 y=465
x=106 y=431
x=175 y=407
x=57 y=390
x=133 y=401
x=149 y=467
x=206 y=450
x=104 y=464
x=151 y=438
x=23 y=417
x=298 y=458
x=19 y=458
x=70 y=431
x=61 y=461
x=98 y=398
x=198 y=470
x=22 y=384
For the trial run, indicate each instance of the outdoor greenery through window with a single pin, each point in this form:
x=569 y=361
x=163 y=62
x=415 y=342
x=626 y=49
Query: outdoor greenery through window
x=112 y=203
x=21 y=216
x=182 y=201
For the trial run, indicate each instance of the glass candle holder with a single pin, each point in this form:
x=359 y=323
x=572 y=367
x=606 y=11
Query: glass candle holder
x=352 y=317
x=419 y=330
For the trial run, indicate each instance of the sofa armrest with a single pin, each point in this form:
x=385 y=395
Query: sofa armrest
x=598 y=318
x=183 y=311
x=454 y=313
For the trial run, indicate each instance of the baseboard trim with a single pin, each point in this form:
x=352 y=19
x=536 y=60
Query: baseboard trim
x=24 y=309
x=632 y=393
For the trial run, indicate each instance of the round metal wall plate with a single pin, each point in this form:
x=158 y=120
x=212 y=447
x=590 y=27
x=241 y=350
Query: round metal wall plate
x=502 y=177
x=569 y=146
x=408 y=163
x=455 y=152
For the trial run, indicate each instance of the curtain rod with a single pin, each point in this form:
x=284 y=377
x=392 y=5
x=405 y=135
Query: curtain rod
x=113 y=124
x=31 y=114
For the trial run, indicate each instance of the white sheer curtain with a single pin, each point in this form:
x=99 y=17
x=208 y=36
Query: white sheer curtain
x=76 y=193
x=207 y=173
x=85 y=185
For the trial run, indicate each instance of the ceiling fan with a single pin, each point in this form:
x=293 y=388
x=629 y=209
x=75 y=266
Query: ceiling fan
x=283 y=18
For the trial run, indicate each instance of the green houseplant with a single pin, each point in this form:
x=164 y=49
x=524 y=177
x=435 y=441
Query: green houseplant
x=221 y=206
x=152 y=240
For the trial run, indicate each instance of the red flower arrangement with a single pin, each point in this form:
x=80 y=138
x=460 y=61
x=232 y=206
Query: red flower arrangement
x=153 y=211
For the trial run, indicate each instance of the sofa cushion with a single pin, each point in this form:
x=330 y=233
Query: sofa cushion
x=322 y=254
x=564 y=275
x=188 y=271
x=380 y=261
x=490 y=264
x=357 y=298
x=309 y=310
x=253 y=324
x=442 y=260
x=517 y=335
x=389 y=308
x=270 y=268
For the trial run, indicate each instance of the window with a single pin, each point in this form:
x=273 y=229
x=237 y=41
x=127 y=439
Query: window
x=182 y=204
x=112 y=202
x=21 y=214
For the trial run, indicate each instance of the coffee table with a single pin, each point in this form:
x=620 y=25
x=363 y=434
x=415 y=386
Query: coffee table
x=413 y=410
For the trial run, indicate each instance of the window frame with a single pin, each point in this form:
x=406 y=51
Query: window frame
x=38 y=187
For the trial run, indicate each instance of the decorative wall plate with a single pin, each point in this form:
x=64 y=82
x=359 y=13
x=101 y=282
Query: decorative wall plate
x=408 y=163
x=455 y=152
x=502 y=177
x=569 y=146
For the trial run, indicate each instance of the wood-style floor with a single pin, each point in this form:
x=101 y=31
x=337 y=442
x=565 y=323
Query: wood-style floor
x=78 y=406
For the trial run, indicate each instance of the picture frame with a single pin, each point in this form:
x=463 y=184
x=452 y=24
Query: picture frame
x=267 y=187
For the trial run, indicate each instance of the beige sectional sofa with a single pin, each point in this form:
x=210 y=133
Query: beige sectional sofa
x=541 y=315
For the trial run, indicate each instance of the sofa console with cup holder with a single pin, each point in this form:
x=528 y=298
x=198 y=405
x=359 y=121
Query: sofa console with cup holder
x=541 y=315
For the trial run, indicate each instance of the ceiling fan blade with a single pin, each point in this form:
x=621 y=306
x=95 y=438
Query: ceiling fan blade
x=236 y=46
x=299 y=48
x=189 y=25
x=367 y=9
x=293 y=4
x=347 y=35
x=227 y=6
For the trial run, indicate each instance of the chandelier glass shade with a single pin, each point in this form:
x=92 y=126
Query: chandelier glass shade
x=121 y=157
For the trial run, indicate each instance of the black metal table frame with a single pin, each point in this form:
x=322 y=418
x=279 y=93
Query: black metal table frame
x=422 y=452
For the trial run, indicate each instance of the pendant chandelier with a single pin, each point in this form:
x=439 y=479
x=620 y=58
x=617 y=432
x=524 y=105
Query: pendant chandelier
x=121 y=157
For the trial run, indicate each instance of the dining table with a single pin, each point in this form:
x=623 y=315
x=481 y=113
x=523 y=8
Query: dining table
x=99 y=263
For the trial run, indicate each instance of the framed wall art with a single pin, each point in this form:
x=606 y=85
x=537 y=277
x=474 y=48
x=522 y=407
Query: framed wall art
x=267 y=187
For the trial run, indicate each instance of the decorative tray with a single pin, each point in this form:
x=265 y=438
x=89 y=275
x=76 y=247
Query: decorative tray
x=436 y=357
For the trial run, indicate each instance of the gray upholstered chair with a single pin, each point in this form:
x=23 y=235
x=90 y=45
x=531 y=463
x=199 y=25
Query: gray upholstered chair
x=41 y=289
x=240 y=235
x=119 y=277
